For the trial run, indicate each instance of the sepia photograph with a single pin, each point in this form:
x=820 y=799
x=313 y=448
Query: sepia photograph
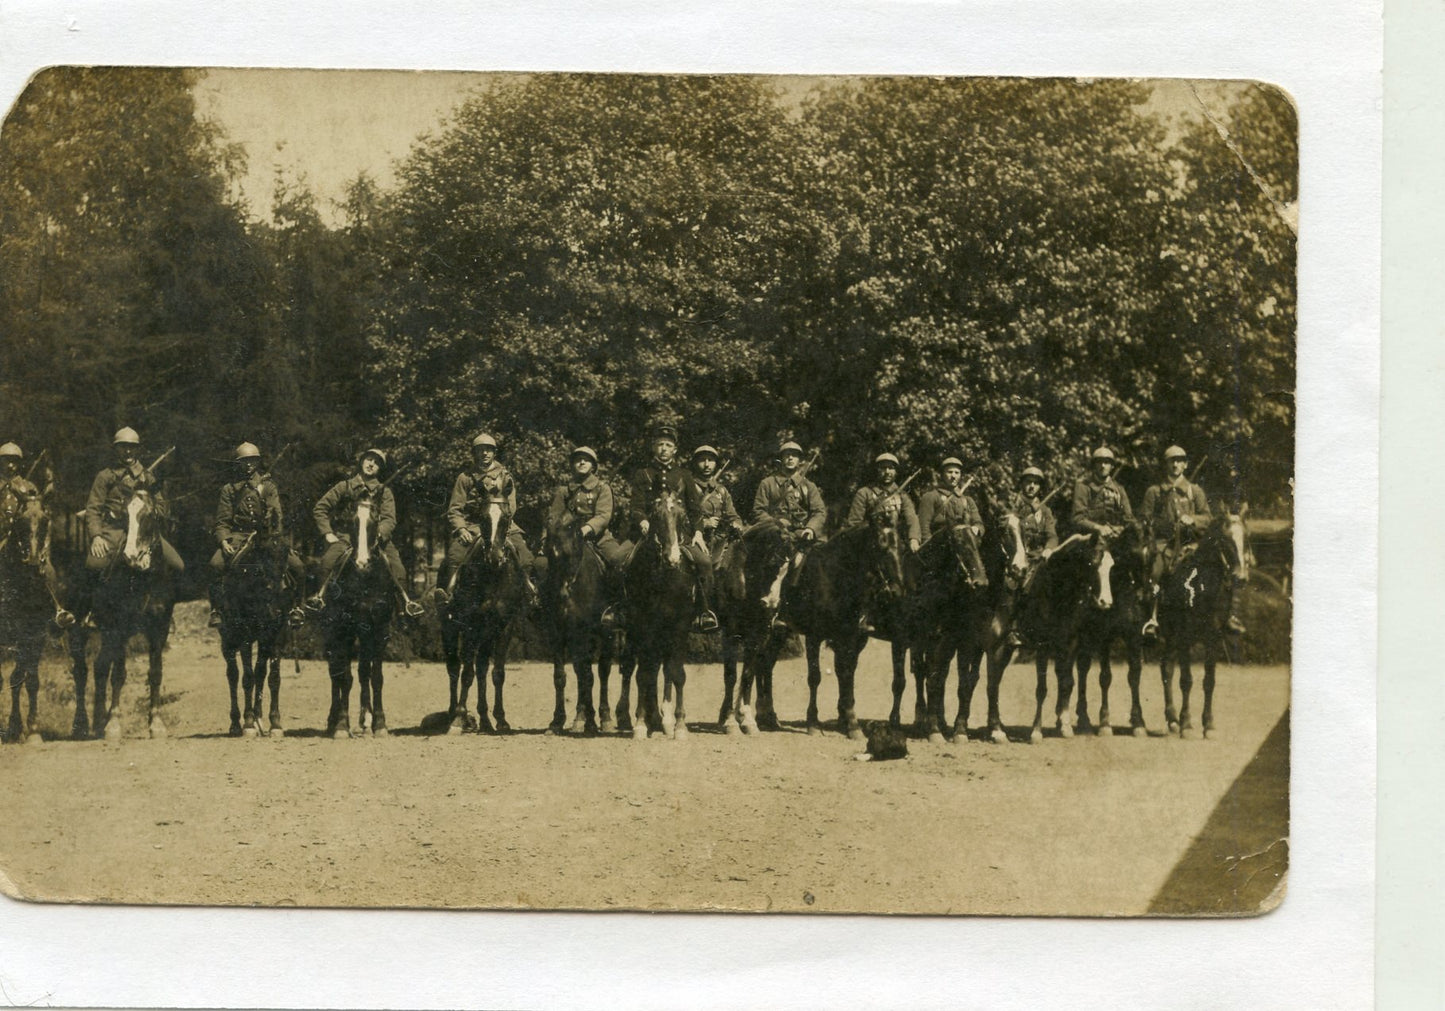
x=608 y=491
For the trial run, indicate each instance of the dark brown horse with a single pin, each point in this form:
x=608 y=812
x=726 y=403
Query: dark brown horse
x=574 y=595
x=953 y=612
x=659 y=583
x=1049 y=615
x=1194 y=604
x=1114 y=612
x=255 y=605
x=28 y=610
x=133 y=594
x=490 y=593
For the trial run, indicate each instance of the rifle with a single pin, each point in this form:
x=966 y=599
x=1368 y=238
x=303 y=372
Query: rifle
x=802 y=471
x=157 y=461
x=275 y=460
x=902 y=487
x=31 y=472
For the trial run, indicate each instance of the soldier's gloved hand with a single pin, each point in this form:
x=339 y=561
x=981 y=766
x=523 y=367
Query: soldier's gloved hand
x=913 y=545
x=1188 y=521
x=710 y=523
x=697 y=539
x=229 y=546
x=332 y=538
x=97 y=547
x=644 y=526
x=465 y=535
x=589 y=531
x=737 y=526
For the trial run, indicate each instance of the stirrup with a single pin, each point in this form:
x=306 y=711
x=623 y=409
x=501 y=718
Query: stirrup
x=440 y=597
x=611 y=617
x=705 y=622
x=1150 y=631
x=315 y=604
x=215 y=619
x=1234 y=625
x=412 y=609
x=63 y=619
x=1013 y=638
x=864 y=625
x=297 y=617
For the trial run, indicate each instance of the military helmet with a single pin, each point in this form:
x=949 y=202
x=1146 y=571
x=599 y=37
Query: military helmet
x=10 y=449
x=380 y=456
x=126 y=437
x=483 y=439
x=886 y=458
x=586 y=451
x=1175 y=453
x=705 y=451
x=664 y=430
x=1032 y=472
x=1105 y=453
x=247 y=451
x=790 y=447
x=952 y=461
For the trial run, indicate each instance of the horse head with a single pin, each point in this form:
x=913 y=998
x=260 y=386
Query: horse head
x=27 y=533
x=883 y=525
x=966 y=554
x=1013 y=545
x=1227 y=539
x=144 y=518
x=665 y=517
x=495 y=523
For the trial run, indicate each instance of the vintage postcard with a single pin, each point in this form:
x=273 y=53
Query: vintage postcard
x=647 y=492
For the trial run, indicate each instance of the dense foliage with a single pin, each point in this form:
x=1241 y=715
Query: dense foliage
x=1011 y=270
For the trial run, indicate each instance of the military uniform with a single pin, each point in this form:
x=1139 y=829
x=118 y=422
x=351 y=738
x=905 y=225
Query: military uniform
x=1165 y=506
x=792 y=502
x=339 y=507
x=1036 y=526
x=945 y=506
x=473 y=493
x=105 y=513
x=679 y=480
x=868 y=496
x=1099 y=502
x=588 y=502
x=717 y=504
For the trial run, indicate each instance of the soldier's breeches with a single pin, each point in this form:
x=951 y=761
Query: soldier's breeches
x=114 y=540
x=612 y=552
x=218 y=561
x=330 y=558
x=520 y=549
x=702 y=565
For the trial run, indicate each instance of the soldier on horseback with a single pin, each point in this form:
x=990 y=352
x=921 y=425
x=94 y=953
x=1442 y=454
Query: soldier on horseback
x=881 y=493
x=250 y=506
x=1101 y=507
x=790 y=502
x=15 y=490
x=948 y=503
x=339 y=507
x=110 y=493
x=719 y=515
x=486 y=484
x=1037 y=530
x=666 y=471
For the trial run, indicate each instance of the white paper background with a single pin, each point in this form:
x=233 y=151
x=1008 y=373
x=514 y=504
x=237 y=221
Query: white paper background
x=1313 y=952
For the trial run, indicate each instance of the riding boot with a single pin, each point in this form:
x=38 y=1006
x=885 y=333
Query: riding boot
x=706 y=620
x=614 y=614
x=213 y=593
x=1234 y=624
x=1150 y=630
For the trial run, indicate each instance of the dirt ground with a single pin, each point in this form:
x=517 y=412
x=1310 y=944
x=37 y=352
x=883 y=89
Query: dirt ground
x=779 y=821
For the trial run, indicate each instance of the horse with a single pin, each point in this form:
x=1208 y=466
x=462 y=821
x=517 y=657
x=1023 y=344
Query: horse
x=26 y=602
x=1114 y=612
x=133 y=594
x=1052 y=607
x=574 y=595
x=489 y=594
x=255 y=607
x=953 y=615
x=659 y=586
x=1194 y=602
x=829 y=598
x=357 y=608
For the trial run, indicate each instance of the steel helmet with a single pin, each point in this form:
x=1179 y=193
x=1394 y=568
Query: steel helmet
x=886 y=458
x=1032 y=472
x=586 y=451
x=10 y=449
x=126 y=437
x=1105 y=453
x=484 y=440
x=952 y=461
x=705 y=451
x=380 y=456
x=790 y=447
x=1175 y=453
x=247 y=451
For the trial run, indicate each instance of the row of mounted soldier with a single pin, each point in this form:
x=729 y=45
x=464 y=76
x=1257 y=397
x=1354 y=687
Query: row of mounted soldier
x=882 y=576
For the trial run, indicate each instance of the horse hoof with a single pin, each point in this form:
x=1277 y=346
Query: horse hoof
x=731 y=727
x=1173 y=727
x=1065 y=730
x=1188 y=734
x=1141 y=732
x=276 y=732
x=456 y=727
x=503 y=727
x=997 y=736
x=157 y=728
x=936 y=737
x=250 y=731
x=814 y=728
x=236 y=730
x=1036 y=736
x=579 y=727
x=1105 y=730
x=680 y=732
x=341 y=733
x=113 y=731
x=856 y=734
x=380 y=732
x=606 y=725
x=34 y=737
x=639 y=732
x=750 y=726
x=1210 y=733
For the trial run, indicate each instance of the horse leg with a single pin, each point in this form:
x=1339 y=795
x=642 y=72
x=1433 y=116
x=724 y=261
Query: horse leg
x=99 y=703
x=233 y=677
x=1166 y=675
x=898 y=653
x=1211 y=657
x=997 y=664
x=158 y=630
x=968 y=673
x=648 y=718
x=15 y=731
x=677 y=679
x=499 y=678
x=273 y=681
x=477 y=663
x=726 y=721
x=1041 y=692
x=378 y=704
x=32 y=689
x=1136 y=673
x=559 y=688
x=921 y=666
x=812 y=647
x=1106 y=678
x=1082 y=662
x=626 y=668
x=339 y=725
x=457 y=718
x=1186 y=683
x=847 y=668
x=79 y=676
x=1064 y=673
x=606 y=722
x=585 y=719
